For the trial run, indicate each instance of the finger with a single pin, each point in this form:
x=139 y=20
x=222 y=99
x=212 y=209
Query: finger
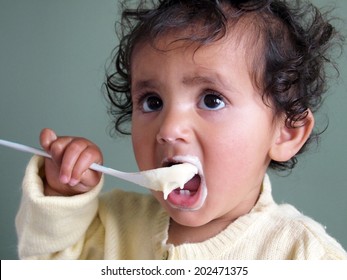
x=47 y=136
x=69 y=160
x=89 y=179
x=81 y=172
x=58 y=147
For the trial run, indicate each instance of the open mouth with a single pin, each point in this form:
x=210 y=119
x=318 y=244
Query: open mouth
x=190 y=188
x=193 y=194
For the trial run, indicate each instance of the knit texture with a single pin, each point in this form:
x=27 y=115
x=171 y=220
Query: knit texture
x=123 y=225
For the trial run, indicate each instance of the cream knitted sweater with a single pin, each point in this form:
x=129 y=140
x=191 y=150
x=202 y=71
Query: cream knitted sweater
x=121 y=225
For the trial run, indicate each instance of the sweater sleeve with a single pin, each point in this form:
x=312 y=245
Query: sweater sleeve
x=52 y=227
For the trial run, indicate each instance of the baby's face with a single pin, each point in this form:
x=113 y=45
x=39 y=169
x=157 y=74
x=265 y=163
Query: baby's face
x=201 y=103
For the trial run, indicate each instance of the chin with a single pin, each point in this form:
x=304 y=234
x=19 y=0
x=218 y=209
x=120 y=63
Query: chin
x=187 y=218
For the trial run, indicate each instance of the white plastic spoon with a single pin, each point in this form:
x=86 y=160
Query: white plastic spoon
x=164 y=179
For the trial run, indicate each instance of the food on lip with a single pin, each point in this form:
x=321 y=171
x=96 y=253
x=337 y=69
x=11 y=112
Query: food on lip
x=169 y=178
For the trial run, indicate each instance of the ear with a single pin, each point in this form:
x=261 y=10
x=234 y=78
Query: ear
x=290 y=139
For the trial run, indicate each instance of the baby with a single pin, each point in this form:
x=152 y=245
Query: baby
x=228 y=86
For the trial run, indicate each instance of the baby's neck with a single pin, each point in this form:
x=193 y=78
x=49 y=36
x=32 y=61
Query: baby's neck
x=179 y=234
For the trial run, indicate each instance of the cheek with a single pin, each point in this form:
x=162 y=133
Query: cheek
x=235 y=150
x=143 y=141
x=137 y=139
x=227 y=154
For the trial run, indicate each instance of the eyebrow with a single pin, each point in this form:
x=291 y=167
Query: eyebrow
x=207 y=80
x=197 y=80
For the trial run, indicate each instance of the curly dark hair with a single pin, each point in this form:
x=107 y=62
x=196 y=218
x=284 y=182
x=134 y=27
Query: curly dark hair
x=295 y=41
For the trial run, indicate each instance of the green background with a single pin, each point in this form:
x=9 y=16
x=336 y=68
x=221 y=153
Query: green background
x=52 y=60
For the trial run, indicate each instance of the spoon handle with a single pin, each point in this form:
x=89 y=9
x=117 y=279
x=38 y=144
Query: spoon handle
x=136 y=178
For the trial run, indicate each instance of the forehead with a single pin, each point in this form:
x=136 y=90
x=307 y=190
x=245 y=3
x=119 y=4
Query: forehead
x=241 y=44
x=169 y=47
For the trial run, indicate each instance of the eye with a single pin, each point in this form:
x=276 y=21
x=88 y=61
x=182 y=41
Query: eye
x=151 y=103
x=211 y=101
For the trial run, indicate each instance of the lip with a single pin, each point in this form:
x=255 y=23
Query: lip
x=184 y=159
x=184 y=200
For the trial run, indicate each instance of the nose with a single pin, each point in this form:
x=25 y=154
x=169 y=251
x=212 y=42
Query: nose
x=175 y=127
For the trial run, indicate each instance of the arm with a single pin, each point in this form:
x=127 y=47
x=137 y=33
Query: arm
x=59 y=198
x=47 y=225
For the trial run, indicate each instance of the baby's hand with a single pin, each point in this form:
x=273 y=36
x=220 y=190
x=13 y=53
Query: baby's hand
x=68 y=173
